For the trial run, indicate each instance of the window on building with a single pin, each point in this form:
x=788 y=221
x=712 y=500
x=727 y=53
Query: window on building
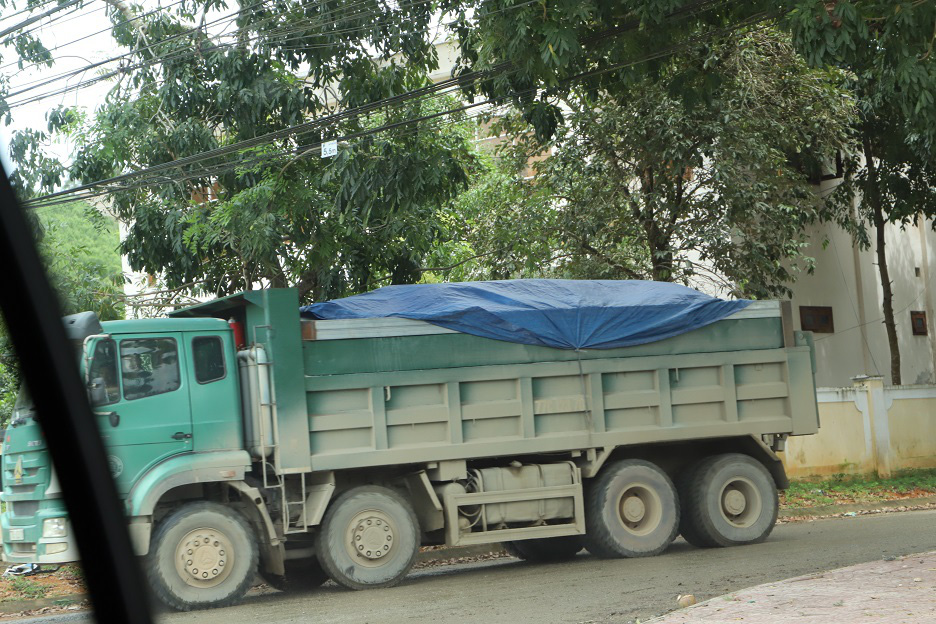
x=817 y=319
x=208 y=354
x=149 y=366
x=918 y=322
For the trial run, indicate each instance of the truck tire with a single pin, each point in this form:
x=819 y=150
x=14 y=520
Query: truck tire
x=203 y=555
x=728 y=500
x=545 y=550
x=369 y=538
x=301 y=575
x=631 y=510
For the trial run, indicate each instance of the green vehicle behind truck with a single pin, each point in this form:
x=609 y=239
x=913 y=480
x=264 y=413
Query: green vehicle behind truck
x=244 y=439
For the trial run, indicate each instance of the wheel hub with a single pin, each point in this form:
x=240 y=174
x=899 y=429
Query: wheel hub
x=735 y=502
x=639 y=509
x=371 y=536
x=741 y=503
x=204 y=557
x=633 y=509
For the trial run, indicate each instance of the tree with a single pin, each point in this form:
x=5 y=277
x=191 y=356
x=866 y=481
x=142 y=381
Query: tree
x=269 y=210
x=84 y=269
x=533 y=53
x=641 y=184
x=886 y=50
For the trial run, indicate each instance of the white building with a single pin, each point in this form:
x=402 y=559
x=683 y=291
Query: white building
x=842 y=303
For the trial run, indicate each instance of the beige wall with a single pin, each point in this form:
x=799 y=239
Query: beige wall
x=847 y=279
x=868 y=428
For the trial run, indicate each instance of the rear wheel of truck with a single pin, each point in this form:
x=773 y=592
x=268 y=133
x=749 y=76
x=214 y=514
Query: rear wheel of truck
x=631 y=510
x=728 y=500
x=202 y=555
x=546 y=550
x=369 y=538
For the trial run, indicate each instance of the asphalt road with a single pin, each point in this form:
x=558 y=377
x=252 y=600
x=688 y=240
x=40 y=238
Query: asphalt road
x=586 y=589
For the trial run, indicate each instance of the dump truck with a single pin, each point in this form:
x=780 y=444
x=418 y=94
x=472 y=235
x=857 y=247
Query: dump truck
x=246 y=439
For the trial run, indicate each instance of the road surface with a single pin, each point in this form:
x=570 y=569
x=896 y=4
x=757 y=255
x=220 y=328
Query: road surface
x=585 y=590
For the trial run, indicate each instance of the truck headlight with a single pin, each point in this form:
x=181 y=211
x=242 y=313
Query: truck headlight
x=54 y=527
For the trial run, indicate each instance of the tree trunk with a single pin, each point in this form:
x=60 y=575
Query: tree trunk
x=877 y=216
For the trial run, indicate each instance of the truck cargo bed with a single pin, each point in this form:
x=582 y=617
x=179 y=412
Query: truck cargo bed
x=392 y=391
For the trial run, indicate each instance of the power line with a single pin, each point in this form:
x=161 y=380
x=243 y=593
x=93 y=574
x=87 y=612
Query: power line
x=35 y=18
x=103 y=30
x=180 y=54
x=305 y=149
x=29 y=9
x=58 y=20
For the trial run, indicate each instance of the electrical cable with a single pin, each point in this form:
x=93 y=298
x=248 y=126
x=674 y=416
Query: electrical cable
x=332 y=118
x=230 y=18
x=305 y=149
x=188 y=51
x=99 y=32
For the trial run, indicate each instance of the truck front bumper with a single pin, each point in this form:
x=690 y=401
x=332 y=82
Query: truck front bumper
x=23 y=541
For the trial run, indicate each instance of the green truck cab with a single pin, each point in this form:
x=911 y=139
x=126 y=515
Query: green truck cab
x=244 y=439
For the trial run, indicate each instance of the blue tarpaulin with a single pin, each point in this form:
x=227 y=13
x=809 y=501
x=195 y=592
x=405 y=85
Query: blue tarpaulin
x=568 y=314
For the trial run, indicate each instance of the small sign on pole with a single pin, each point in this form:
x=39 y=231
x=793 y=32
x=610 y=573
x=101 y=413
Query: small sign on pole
x=329 y=149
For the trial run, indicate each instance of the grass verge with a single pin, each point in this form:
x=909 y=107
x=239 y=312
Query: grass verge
x=846 y=489
x=65 y=581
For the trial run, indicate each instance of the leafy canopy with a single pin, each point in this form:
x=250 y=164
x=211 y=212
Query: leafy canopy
x=640 y=184
x=273 y=213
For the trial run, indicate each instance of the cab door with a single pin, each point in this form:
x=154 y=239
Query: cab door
x=140 y=395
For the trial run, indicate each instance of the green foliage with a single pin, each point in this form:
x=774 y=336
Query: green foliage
x=27 y=589
x=276 y=213
x=9 y=386
x=551 y=48
x=859 y=488
x=887 y=45
x=640 y=184
x=886 y=49
x=92 y=234
x=79 y=247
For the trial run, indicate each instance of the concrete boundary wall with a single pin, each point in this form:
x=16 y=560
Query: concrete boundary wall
x=868 y=428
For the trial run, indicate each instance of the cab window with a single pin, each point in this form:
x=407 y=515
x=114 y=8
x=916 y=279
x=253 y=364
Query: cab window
x=149 y=366
x=103 y=388
x=208 y=355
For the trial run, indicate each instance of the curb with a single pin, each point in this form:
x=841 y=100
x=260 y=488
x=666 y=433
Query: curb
x=18 y=606
x=829 y=510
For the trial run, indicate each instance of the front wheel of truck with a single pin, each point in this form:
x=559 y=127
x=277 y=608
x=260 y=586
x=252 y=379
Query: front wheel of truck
x=203 y=555
x=368 y=538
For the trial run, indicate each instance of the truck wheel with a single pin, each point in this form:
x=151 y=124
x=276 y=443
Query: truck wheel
x=728 y=500
x=369 y=538
x=301 y=575
x=545 y=550
x=203 y=555
x=631 y=510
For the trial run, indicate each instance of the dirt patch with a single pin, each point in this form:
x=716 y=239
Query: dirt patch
x=47 y=584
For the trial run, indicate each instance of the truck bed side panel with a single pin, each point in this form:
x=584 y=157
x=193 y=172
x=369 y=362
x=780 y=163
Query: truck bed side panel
x=410 y=416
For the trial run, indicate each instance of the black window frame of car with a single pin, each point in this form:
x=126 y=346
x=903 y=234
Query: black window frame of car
x=224 y=370
x=178 y=365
